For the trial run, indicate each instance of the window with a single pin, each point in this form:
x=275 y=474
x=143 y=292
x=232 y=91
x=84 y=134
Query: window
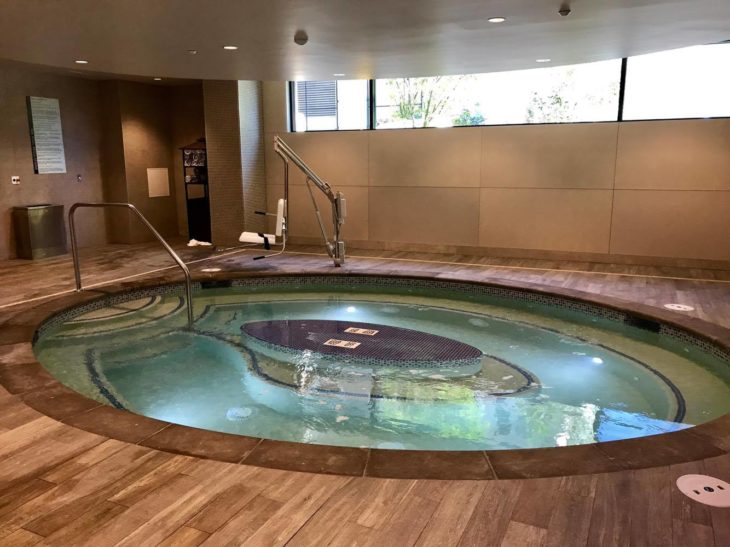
x=691 y=82
x=578 y=93
x=330 y=105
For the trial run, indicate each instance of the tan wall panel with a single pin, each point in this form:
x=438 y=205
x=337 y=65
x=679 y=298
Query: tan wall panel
x=439 y=216
x=428 y=157
x=147 y=142
x=276 y=110
x=684 y=224
x=559 y=220
x=339 y=158
x=674 y=155
x=549 y=156
x=302 y=220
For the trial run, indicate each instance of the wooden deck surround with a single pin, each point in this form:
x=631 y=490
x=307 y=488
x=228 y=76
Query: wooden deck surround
x=63 y=482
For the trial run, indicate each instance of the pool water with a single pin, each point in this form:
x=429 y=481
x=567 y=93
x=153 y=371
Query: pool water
x=374 y=365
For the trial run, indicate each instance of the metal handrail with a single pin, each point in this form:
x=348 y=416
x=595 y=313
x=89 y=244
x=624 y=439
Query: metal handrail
x=173 y=254
x=336 y=248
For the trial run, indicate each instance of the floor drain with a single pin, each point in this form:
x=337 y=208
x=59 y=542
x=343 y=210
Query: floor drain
x=678 y=307
x=705 y=489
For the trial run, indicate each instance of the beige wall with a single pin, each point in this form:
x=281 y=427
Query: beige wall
x=649 y=189
x=112 y=132
x=236 y=162
x=147 y=140
x=81 y=119
x=143 y=127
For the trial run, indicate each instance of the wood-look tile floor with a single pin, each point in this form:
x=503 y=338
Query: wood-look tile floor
x=63 y=486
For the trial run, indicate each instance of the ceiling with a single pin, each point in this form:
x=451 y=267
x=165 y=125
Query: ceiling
x=359 y=38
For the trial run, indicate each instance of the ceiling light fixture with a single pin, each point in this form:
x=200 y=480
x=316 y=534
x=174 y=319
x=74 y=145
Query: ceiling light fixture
x=338 y=75
x=497 y=19
x=230 y=48
x=543 y=60
x=81 y=62
x=193 y=51
x=157 y=79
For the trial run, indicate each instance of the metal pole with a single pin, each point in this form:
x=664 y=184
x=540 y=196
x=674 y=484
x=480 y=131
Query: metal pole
x=335 y=249
x=74 y=247
x=170 y=251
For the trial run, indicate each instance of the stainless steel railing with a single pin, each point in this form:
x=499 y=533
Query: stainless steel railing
x=171 y=252
x=335 y=248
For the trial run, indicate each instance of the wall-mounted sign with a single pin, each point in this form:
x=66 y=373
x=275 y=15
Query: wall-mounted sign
x=46 y=136
x=158 y=182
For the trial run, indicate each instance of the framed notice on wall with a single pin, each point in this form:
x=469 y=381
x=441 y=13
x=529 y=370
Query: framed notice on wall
x=46 y=136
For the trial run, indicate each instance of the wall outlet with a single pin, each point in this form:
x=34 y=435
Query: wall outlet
x=15 y=179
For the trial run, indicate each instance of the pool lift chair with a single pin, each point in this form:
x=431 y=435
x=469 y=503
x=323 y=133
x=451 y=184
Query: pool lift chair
x=335 y=247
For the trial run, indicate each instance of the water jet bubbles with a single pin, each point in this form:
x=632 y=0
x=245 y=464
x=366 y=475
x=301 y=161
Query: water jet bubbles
x=392 y=445
x=341 y=419
x=478 y=322
x=237 y=414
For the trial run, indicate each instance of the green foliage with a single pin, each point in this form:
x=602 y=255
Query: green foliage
x=467 y=117
x=552 y=107
x=420 y=100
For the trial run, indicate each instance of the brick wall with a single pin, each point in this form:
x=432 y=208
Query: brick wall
x=225 y=176
x=250 y=109
x=237 y=178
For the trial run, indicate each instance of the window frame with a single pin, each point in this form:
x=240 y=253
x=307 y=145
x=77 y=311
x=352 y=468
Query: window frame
x=371 y=105
x=369 y=113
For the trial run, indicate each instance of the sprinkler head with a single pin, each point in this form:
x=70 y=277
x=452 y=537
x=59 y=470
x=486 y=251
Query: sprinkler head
x=301 y=37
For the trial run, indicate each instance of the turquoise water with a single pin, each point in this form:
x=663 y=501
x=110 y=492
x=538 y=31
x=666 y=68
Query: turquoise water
x=547 y=376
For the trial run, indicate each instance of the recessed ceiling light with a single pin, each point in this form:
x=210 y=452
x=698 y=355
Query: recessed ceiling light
x=497 y=19
x=193 y=51
x=157 y=79
x=230 y=48
x=543 y=60
x=338 y=75
x=81 y=62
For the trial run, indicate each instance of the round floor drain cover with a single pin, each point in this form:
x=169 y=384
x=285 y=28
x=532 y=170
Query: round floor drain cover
x=705 y=489
x=678 y=307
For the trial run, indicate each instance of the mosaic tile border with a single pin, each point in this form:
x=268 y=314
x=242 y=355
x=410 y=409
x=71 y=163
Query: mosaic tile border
x=355 y=281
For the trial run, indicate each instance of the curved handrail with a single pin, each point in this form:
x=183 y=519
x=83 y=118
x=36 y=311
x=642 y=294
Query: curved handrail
x=173 y=254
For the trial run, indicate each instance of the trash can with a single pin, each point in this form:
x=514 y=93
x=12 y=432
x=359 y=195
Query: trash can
x=39 y=230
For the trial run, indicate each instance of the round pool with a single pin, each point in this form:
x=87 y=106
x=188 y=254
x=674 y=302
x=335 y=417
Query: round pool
x=387 y=363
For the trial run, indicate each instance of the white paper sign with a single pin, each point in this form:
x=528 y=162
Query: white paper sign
x=46 y=135
x=158 y=182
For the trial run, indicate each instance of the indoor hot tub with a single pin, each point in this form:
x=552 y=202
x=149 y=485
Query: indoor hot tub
x=387 y=362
